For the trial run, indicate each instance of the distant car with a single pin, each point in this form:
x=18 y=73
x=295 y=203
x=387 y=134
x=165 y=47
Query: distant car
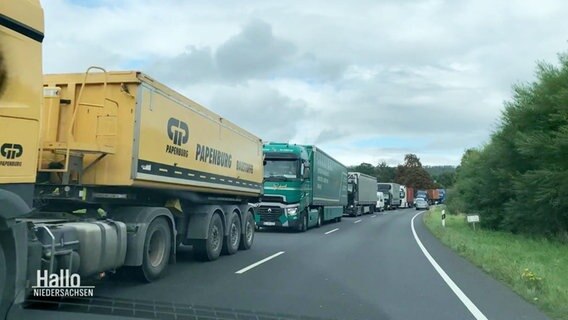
x=421 y=204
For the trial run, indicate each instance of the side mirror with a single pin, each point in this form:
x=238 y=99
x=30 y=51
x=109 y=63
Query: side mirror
x=306 y=173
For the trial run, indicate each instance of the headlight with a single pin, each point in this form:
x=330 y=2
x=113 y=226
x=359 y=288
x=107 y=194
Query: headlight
x=292 y=211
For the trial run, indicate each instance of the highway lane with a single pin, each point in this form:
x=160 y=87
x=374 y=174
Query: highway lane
x=368 y=267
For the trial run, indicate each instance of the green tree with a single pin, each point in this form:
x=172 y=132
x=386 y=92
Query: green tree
x=412 y=174
x=517 y=181
x=445 y=180
x=384 y=173
x=365 y=168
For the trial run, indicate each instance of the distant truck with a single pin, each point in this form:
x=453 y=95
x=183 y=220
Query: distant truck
x=404 y=202
x=442 y=193
x=303 y=187
x=422 y=194
x=433 y=196
x=410 y=196
x=380 y=202
x=391 y=192
x=361 y=194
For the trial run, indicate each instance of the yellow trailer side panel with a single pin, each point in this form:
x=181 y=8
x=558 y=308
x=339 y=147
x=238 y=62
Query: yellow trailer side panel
x=158 y=138
x=183 y=144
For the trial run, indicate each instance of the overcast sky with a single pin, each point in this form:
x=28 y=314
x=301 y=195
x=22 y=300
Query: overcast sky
x=366 y=80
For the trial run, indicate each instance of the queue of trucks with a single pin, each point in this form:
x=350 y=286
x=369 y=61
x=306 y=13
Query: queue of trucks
x=432 y=196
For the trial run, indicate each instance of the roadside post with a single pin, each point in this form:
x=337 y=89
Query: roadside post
x=473 y=219
x=444 y=218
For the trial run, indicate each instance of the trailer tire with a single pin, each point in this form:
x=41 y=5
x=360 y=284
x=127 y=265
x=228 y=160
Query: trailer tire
x=209 y=249
x=233 y=238
x=248 y=232
x=157 y=247
x=338 y=219
x=6 y=286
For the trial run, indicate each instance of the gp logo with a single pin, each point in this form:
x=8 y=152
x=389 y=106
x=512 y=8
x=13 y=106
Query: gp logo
x=178 y=131
x=11 y=150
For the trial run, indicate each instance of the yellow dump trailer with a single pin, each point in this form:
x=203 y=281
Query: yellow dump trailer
x=126 y=129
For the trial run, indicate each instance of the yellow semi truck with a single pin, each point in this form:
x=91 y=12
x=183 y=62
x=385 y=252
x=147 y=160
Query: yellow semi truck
x=105 y=170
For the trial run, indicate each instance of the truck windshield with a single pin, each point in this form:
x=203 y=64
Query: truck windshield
x=281 y=169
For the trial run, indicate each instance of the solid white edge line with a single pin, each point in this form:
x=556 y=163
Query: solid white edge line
x=245 y=269
x=357 y=221
x=457 y=291
x=332 y=231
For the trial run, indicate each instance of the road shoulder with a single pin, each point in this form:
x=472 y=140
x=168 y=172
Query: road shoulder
x=493 y=298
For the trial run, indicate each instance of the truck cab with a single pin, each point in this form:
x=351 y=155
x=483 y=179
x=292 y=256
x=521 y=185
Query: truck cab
x=286 y=185
x=403 y=197
x=422 y=194
x=303 y=187
x=380 y=202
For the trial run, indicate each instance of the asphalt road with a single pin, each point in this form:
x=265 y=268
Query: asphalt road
x=371 y=267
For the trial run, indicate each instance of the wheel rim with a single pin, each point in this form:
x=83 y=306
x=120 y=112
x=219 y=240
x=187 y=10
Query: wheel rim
x=215 y=239
x=249 y=231
x=156 y=248
x=234 y=235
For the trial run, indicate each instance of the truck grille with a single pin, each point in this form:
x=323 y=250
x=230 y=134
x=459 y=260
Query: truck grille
x=272 y=216
x=272 y=198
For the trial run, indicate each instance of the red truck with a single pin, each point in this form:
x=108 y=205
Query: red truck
x=410 y=196
x=433 y=195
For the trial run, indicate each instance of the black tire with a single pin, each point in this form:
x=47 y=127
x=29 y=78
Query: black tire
x=248 y=232
x=157 y=248
x=338 y=219
x=6 y=283
x=233 y=238
x=320 y=219
x=209 y=249
x=303 y=227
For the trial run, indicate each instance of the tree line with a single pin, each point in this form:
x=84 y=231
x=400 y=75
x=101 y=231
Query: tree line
x=518 y=180
x=410 y=173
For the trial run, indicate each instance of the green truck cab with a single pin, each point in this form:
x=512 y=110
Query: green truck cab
x=303 y=187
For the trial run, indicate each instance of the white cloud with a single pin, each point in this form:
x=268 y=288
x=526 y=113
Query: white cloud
x=336 y=73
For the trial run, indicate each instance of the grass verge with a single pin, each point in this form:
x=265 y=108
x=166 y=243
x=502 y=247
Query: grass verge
x=537 y=269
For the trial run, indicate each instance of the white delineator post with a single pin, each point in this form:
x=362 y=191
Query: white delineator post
x=444 y=218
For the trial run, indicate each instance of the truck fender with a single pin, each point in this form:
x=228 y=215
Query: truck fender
x=13 y=250
x=13 y=206
x=199 y=219
x=137 y=220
